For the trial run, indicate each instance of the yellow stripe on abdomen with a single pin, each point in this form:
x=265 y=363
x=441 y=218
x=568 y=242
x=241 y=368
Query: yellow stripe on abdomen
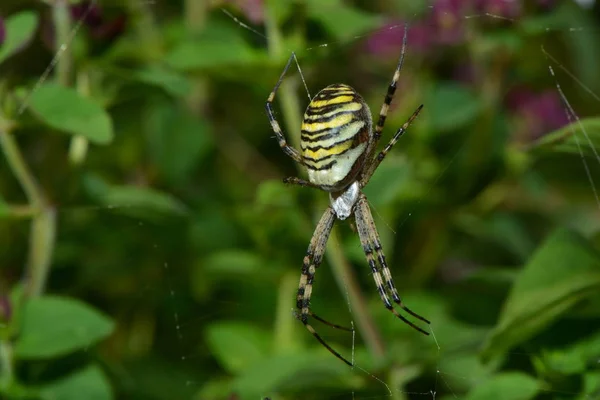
x=320 y=153
x=330 y=101
x=335 y=131
x=333 y=123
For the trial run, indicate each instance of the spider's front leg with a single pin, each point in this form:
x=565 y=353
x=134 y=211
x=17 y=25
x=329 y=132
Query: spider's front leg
x=287 y=149
x=374 y=163
x=311 y=262
x=292 y=180
x=369 y=238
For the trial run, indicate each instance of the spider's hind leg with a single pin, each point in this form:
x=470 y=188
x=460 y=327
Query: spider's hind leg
x=369 y=239
x=311 y=262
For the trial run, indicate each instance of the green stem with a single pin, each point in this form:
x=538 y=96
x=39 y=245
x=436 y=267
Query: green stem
x=284 y=325
x=41 y=245
x=43 y=224
x=62 y=26
x=148 y=35
x=41 y=240
x=6 y=364
x=348 y=285
x=79 y=144
x=20 y=169
x=195 y=14
x=20 y=211
x=195 y=18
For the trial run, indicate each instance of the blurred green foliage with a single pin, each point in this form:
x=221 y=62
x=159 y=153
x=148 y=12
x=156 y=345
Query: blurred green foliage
x=149 y=249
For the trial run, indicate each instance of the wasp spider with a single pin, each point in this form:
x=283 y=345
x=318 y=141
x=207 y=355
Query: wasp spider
x=338 y=149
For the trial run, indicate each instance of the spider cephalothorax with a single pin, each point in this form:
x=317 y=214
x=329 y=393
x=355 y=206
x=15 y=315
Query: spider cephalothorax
x=338 y=150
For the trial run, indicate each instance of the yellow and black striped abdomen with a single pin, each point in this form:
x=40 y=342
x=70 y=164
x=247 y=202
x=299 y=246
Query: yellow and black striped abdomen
x=336 y=130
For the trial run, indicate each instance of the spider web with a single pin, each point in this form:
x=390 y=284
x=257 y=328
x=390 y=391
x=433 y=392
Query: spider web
x=182 y=329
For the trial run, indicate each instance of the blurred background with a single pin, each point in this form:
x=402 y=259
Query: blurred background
x=149 y=249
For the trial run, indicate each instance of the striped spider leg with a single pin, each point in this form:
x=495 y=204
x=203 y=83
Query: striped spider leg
x=338 y=146
x=312 y=260
x=369 y=239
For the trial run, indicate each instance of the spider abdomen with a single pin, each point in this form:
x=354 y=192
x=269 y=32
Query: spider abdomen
x=336 y=131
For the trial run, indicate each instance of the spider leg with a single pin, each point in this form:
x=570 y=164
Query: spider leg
x=300 y=182
x=389 y=96
x=369 y=238
x=374 y=163
x=324 y=321
x=287 y=149
x=311 y=262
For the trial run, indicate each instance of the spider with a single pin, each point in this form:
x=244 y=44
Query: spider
x=338 y=150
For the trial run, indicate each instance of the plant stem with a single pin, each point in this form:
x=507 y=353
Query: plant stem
x=41 y=246
x=62 y=27
x=41 y=239
x=79 y=144
x=148 y=35
x=43 y=224
x=20 y=169
x=19 y=211
x=6 y=366
x=195 y=18
x=284 y=325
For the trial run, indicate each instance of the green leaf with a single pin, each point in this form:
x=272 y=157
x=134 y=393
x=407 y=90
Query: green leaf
x=505 y=230
x=234 y=261
x=172 y=82
x=89 y=384
x=340 y=20
x=563 y=271
x=237 y=345
x=208 y=53
x=274 y=193
x=64 y=109
x=575 y=358
x=469 y=365
x=540 y=24
x=177 y=140
x=591 y=383
x=54 y=326
x=19 y=30
x=572 y=138
x=465 y=107
x=509 y=41
x=137 y=201
x=290 y=372
x=506 y=386
x=218 y=46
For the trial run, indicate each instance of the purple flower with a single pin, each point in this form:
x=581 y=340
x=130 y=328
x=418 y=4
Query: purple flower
x=88 y=13
x=99 y=26
x=536 y=113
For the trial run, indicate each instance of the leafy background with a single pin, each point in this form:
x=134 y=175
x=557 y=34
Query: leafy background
x=149 y=249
